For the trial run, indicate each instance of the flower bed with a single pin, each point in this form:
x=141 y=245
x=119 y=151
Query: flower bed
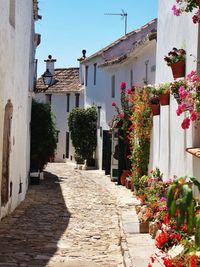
x=173 y=218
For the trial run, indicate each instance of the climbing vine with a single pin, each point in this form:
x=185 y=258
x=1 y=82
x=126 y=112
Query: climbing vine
x=139 y=134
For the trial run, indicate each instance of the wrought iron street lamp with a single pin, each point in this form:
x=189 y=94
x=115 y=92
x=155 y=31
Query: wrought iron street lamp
x=47 y=78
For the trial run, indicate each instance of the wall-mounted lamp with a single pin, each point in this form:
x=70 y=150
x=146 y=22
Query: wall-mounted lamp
x=47 y=78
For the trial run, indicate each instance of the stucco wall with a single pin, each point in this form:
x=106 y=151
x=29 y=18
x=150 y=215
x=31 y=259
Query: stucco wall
x=100 y=94
x=16 y=44
x=169 y=140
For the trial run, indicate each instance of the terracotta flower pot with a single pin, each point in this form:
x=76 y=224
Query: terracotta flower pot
x=164 y=99
x=144 y=227
x=125 y=173
x=178 y=69
x=155 y=109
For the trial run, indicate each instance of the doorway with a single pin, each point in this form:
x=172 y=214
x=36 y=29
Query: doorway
x=6 y=153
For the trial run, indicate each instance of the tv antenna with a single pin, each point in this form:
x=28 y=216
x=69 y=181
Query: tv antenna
x=123 y=15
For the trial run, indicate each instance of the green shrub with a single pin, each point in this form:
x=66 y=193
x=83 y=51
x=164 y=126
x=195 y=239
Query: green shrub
x=83 y=127
x=43 y=135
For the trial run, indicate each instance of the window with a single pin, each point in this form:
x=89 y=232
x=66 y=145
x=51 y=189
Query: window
x=131 y=78
x=95 y=73
x=67 y=145
x=113 y=86
x=68 y=102
x=98 y=116
x=12 y=12
x=77 y=100
x=48 y=99
x=86 y=75
x=57 y=136
x=146 y=72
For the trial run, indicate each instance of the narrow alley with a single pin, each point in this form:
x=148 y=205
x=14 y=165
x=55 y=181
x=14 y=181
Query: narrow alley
x=73 y=218
x=67 y=218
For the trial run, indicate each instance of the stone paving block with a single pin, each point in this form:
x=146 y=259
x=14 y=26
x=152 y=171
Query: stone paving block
x=131 y=228
x=74 y=218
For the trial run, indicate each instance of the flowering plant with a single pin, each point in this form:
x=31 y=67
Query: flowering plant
x=182 y=260
x=154 y=100
x=139 y=134
x=190 y=99
x=163 y=88
x=186 y=6
x=123 y=114
x=175 y=55
x=174 y=87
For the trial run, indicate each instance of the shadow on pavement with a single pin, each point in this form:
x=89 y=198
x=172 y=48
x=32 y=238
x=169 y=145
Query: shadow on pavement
x=29 y=236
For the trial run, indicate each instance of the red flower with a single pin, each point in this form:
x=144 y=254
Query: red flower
x=193 y=116
x=186 y=123
x=161 y=240
x=193 y=261
x=123 y=85
x=114 y=104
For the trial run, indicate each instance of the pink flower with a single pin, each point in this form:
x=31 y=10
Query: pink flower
x=192 y=73
x=123 y=85
x=186 y=123
x=178 y=112
x=196 y=17
x=193 y=76
x=121 y=115
x=182 y=92
x=194 y=116
x=128 y=91
x=176 y=11
x=114 y=104
x=181 y=108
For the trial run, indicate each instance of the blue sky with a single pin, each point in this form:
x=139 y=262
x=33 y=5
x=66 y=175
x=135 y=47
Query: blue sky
x=68 y=26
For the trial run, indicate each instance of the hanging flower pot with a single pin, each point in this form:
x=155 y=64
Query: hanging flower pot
x=178 y=69
x=164 y=99
x=155 y=109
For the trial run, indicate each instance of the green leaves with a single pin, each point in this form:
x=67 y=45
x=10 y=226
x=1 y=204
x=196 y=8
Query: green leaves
x=43 y=135
x=181 y=204
x=197 y=232
x=83 y=127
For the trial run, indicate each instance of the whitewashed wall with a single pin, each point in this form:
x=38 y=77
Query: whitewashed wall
x=100 y=94
x=16 y=65
x=59 y=109
x=169 y=140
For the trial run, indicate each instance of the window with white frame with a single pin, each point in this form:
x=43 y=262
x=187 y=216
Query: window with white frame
x=113 y=86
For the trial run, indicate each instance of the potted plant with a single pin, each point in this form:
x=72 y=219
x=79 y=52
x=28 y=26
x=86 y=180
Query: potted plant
x=174 y=89
x=78 y=158
x=83 y=128
x=43 y=139
x=163 y=91
x=176 y=60
x=155 y=105
x=187 y=6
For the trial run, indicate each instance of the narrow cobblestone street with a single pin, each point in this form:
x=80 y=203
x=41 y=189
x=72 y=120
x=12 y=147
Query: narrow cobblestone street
x=68 y=218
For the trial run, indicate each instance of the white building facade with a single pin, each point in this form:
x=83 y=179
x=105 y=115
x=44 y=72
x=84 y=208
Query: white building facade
x=63 y=95
x=131 y=59
x=169 y=140
x=17 y=71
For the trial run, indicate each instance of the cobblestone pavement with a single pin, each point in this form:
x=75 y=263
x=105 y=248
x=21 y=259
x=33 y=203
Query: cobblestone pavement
x=70 y=219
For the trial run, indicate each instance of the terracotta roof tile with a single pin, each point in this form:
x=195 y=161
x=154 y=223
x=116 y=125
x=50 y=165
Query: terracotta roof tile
x=65 y=80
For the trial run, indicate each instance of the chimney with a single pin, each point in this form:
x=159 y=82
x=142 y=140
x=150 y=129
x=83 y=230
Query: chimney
x=83 y=55
x=50 y=64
